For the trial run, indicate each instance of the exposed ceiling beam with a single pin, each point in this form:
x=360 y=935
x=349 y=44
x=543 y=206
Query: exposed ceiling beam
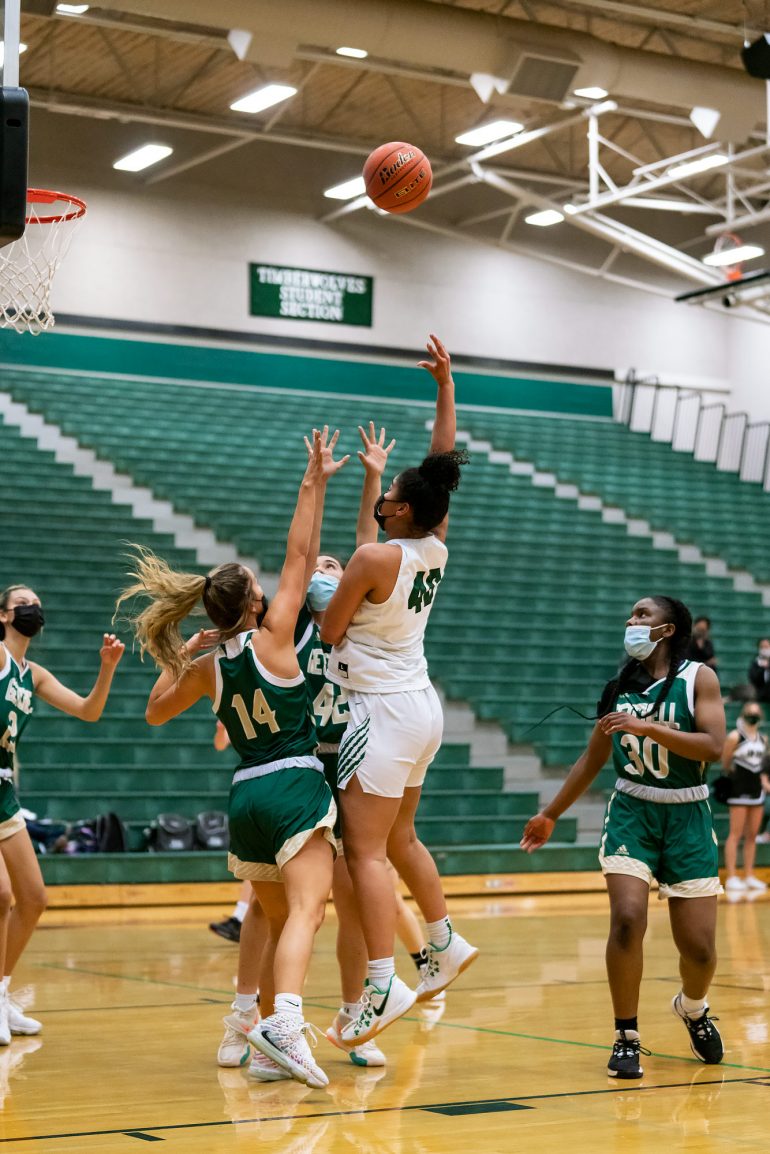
x=657 y=16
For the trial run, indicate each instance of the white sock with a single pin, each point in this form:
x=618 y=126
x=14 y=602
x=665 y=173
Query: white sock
x=439 y=932
x=289 y=1004
x=350 y=1009
x=693 y=1007
x=245 y=1003
x=380 y=971
x=239 y=913
x=631 y=1035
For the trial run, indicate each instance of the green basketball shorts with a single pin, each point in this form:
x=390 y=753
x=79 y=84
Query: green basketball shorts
x=11 y=820
x=673 y=844
x=272 y=817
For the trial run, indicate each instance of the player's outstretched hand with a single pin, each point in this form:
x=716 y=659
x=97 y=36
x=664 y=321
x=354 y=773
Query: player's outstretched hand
x=203 y=639
x=440 y=365
x=537 y=832
x=325 y=448
x=111 y=651
x=374 y=458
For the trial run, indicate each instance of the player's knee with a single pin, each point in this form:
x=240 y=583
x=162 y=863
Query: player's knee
x=6 y=900
x=627 y=927
x=701 y=953
x=33 y=904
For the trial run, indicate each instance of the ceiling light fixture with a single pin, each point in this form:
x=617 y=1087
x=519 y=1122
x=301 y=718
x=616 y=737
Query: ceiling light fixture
x=545 y=218
x=143 y=157
x=736 y=255
x=347 y=190
x=263 y=98
x=591 y=93
x=355 y=53
x=702 y=164
x=72 y=9
x=487 y=133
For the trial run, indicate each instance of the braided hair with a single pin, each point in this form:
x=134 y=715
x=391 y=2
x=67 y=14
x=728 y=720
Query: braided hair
x=679 y=616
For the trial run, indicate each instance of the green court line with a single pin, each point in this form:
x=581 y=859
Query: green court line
x=410 y=1018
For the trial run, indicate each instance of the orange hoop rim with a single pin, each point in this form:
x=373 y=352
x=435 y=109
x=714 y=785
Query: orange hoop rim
x=48 y=196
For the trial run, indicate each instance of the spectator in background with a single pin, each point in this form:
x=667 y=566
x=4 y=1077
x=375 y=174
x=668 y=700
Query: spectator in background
x=759 y=670
x=743 y=758
x=701 y=647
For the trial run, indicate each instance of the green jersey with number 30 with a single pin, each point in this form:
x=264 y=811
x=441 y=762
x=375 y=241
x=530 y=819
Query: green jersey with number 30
x=329 y=702
x=644 y=761
x=16 y=690
x=267 y=718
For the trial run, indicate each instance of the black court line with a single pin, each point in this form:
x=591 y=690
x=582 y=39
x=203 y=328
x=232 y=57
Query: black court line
x=144 y=1137
x=492 y=1104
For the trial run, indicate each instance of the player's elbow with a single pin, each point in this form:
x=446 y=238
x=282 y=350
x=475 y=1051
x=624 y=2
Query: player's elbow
x=152 y=714
x=330 y=635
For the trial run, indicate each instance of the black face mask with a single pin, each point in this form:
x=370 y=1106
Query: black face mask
x=263 y=612
x=751 y=718
x=378 y=515
x=27 y=619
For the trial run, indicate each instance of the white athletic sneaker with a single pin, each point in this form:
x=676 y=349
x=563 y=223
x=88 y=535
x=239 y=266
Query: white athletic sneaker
x=753 y=883
x=234 y=1049
x=264 y=1069
x=19 y=1022
x=5 y=1027
x=367 y=1054
x=378 y=1009
x=444 y=965
x=735 y=885
x=282 y=1037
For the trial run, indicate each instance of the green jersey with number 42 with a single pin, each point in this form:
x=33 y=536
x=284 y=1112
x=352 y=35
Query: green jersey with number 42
x=643 y=760
x=329 y=702
x=267 y=718
x=16 y=690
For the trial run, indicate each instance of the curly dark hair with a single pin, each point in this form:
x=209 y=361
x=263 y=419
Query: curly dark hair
x=427 y=487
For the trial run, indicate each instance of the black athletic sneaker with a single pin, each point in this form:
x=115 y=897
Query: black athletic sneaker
x=230 y=929
x=624 y=1060
x=705 y=1039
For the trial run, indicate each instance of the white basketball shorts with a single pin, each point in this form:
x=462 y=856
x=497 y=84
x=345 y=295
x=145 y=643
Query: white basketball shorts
x=390 y=740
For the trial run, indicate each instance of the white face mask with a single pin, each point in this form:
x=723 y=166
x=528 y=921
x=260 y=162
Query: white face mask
x=764 y=652
x=638 y=642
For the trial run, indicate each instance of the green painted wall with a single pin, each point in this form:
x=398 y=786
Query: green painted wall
x=96 y=354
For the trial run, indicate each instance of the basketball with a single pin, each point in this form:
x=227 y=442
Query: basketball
x=397 y=176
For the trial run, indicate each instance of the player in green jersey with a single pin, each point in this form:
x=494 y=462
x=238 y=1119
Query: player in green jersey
x=662 y=721
x=21 y=618
x=281 y=809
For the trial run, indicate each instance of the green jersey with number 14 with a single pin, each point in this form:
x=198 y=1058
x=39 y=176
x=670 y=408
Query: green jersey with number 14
x=267 y=718
x=16 y=691
x=643 y=760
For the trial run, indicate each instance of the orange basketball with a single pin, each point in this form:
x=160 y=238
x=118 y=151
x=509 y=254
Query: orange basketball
x=397 y=176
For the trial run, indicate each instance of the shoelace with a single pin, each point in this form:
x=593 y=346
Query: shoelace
x=366 y=1012
x=629 y=1048
x=310 y=1032
x=703 y=1027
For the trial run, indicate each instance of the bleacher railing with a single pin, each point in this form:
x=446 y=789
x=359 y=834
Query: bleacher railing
x=692 y=422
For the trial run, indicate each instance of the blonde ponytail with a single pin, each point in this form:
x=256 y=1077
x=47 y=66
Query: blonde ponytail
x=173 y=597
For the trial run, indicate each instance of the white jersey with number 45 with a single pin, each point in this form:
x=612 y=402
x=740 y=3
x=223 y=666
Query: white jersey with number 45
x=382 y=651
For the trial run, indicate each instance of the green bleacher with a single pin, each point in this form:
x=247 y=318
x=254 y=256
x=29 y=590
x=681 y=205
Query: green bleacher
x=67 y=541
x=530 y=615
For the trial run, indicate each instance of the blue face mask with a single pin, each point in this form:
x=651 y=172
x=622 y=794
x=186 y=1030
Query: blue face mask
x=320 y=591
x=637 y=642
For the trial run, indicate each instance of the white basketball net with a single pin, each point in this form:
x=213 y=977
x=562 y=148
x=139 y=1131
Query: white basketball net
x=28 y=265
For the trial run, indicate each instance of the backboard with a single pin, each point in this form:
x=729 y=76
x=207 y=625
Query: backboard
x=14 y=120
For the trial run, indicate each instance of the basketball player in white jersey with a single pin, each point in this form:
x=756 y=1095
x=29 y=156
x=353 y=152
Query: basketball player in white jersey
x=376 y=622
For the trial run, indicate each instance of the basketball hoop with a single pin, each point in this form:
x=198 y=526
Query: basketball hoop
x=28 y=265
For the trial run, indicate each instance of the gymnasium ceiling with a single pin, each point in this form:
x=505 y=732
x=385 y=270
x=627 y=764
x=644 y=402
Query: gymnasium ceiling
x=131 y=71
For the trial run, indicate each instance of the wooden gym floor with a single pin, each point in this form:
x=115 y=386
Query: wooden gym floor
x=132 y=1000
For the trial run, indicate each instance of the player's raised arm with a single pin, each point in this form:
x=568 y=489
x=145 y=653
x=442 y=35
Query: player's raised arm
x=440 y=368
x=302 y=540
x=374 y=458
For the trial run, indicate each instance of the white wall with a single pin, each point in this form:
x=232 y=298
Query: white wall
x=748 y=352
x=158 y=255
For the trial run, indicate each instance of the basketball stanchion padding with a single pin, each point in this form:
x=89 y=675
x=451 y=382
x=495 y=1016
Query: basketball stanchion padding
x=28 y=265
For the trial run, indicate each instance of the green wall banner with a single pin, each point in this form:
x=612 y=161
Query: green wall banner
x=305 y=294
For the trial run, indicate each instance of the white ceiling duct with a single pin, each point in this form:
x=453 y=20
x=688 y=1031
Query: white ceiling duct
x=540 y=62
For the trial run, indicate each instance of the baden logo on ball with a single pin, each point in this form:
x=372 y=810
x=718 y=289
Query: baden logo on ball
x=397 y=176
